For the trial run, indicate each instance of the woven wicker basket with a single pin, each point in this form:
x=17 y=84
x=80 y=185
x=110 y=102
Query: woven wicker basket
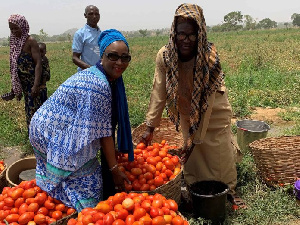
x=165 y=131
x=3 y=181
x=171 y=190
x=277 y=159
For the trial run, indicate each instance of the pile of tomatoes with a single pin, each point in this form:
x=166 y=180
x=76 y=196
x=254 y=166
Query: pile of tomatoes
x=131 y=209
x=152 y=167
x=28 y=204
x=2 y=167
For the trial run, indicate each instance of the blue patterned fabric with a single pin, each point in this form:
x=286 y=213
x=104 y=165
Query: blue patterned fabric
x=65 y=133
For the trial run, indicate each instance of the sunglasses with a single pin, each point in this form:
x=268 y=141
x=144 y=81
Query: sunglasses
x=115 y=57
x=182 y=36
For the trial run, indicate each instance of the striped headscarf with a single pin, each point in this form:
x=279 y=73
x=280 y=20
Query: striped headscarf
x=207 y=73
x=16 y=45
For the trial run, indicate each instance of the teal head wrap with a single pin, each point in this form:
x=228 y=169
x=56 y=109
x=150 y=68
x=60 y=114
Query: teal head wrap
x=109 y=36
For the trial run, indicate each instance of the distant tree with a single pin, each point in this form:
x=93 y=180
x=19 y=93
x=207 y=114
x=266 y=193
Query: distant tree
x=69 y=37
x=216 y=28
x=296 y=19
x=36 y=37
x=43 y=35
x=143 y=32
x=157 y=32
x=249 y=22
x=233 y=19
x=61 y=38
x=286 y=24
x=294 y=16
x=266 y=24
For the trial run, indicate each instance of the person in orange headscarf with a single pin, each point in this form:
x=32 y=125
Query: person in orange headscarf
x=189 y=82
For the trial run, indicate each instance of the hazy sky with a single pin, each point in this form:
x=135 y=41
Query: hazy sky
x=57 y=16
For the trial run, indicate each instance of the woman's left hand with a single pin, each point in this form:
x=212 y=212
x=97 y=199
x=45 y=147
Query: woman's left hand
x=119 y=179
x=34 y=91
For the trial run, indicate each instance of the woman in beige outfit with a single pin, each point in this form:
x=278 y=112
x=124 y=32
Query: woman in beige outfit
x=189 y=82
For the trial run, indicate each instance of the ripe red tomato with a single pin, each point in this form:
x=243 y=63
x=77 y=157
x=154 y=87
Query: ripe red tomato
x=57 y=215
x=70 y=211
x=43 y=210
x=159 y=220
x=33 y=207
x=12 y=218
x=108 y=219
x=177 y=220
x=157 y=203
x=19 y=202
x=40 y=218
x=26 y=217
x=118 y=222
x=29 y=193
x=172 y=205
x=129 y=220
x=122 y=214
x=154 y=212
x=118 y=198
x=141 y=146
x=17 y=193
x=138 y=213
x=86 y=219
x=158 y=181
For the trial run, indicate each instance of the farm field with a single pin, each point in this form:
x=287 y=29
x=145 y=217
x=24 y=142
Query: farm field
x=262 y=70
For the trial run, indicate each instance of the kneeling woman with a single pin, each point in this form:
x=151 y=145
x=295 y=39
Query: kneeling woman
x=79 y=119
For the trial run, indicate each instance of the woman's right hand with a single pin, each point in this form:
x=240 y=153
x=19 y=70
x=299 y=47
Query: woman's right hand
x=119 y=179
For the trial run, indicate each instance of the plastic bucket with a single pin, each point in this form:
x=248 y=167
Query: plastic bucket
x=249 y=131
x=209 y=200
x=15 y=169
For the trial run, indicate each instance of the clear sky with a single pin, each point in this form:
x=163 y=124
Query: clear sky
x=57 y=16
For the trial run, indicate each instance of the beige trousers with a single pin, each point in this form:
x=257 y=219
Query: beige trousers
x=214 y=158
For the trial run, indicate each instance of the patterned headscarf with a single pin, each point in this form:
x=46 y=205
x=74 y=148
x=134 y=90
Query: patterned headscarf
x=207 y=73
x=16 y=45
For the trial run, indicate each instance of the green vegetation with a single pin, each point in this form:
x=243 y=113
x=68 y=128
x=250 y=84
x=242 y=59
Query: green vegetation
x=262 y=69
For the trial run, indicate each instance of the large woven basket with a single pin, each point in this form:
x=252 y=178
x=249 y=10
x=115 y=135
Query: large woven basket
x=277 y=159
x=3 y=181
x=171 y=190
x=165 y=131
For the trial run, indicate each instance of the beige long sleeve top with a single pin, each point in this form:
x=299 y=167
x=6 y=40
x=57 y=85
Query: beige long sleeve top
x=185 y=88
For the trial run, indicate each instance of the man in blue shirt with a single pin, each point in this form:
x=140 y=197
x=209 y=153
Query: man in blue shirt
x=85 y=42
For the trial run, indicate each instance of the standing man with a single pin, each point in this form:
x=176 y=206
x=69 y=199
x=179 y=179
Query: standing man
x=85 y=42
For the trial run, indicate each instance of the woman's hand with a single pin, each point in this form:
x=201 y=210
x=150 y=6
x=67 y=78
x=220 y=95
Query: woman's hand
x=147 y=136
x=119 y=179
x=34 y=91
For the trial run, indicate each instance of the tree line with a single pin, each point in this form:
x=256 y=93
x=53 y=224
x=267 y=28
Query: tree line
x=233 y=21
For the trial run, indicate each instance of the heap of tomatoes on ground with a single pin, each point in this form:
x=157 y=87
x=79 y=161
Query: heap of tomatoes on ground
x=2 y=166
x=131 y=209
x=152 y=167
x=29 y=204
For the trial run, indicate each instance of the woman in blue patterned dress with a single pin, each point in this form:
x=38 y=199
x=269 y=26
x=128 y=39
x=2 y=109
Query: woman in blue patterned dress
x=79 y=119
